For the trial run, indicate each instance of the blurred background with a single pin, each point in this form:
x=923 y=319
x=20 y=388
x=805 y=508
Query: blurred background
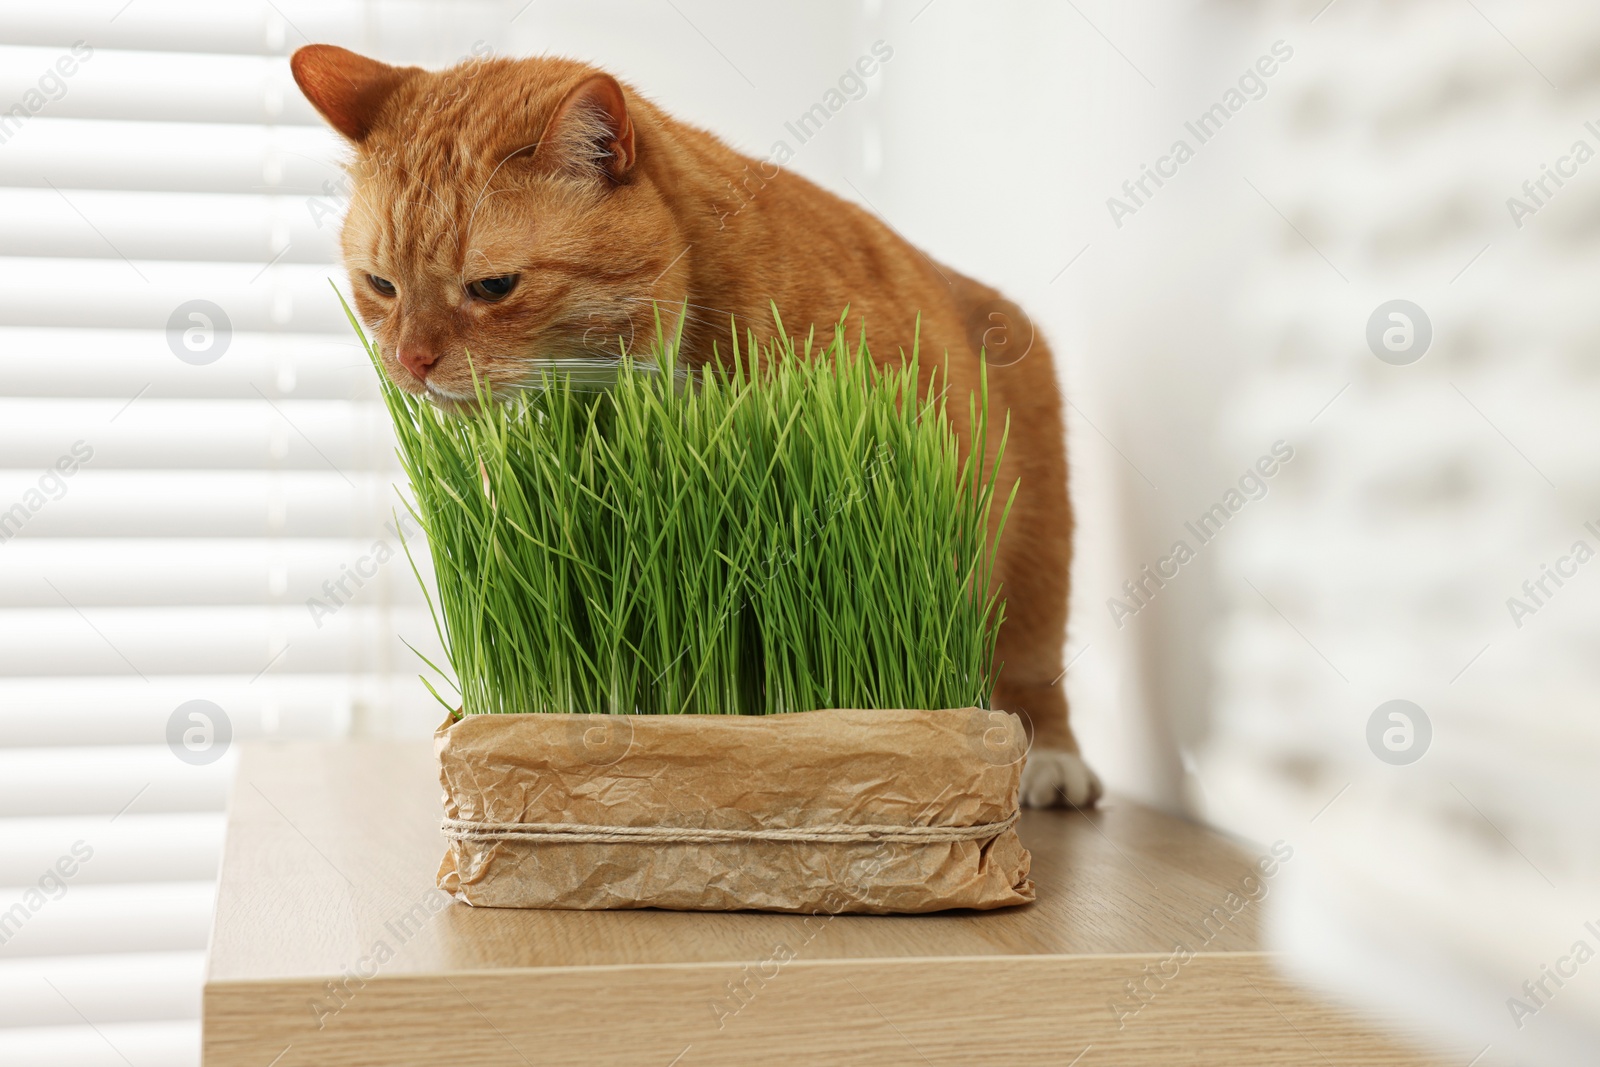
x=1320 y=279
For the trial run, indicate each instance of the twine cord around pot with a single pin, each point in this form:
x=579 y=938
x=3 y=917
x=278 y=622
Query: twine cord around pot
x=580 y=833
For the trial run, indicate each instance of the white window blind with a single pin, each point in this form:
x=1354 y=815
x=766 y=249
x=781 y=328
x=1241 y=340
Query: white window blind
x=165 y=519
x=1422 y=498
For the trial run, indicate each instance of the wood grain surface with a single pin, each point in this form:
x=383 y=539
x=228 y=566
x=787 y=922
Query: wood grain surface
x=331 y=948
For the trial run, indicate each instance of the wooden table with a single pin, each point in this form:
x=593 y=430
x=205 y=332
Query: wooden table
x=331 y=948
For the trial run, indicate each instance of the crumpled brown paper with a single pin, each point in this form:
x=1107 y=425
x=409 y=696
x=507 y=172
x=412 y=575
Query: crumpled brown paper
x=953 y=768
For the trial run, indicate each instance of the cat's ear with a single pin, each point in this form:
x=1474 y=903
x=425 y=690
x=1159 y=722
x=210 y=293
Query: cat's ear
x=590 y=131
x=347 y=89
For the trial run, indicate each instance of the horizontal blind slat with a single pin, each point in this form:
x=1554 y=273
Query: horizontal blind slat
x=52 y=712
x=161 y=572
x=242 y=26
x=403 y=30
x=283 y=434
x=131 y=988
x=168 y=156
x=221 y=227
x=43 y=361
x=158 y=86
x=95 y=919
x=177 y=503
x=169 y=1043
x=105 y=780
x=221 y=640
x=174 y=846
x=147 y=294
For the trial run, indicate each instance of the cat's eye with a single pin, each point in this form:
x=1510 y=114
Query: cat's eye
x=383 y=285
x=493 y=289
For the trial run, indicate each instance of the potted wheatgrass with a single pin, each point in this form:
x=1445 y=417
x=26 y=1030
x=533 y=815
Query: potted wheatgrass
x=722 y=638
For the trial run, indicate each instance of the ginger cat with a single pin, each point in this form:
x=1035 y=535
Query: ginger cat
x=539 y=206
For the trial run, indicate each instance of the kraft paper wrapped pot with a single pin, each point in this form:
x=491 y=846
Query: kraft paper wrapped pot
x=823 y=811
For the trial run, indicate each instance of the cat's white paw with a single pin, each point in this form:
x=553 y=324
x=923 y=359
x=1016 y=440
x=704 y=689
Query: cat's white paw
x=1051 y=778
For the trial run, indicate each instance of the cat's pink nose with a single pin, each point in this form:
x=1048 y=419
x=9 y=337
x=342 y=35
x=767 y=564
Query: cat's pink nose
x=417 y=359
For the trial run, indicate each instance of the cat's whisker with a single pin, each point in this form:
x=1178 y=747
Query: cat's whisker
x=672 y=312
x=676 y=304
x=715 y=325
x=434 y=390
